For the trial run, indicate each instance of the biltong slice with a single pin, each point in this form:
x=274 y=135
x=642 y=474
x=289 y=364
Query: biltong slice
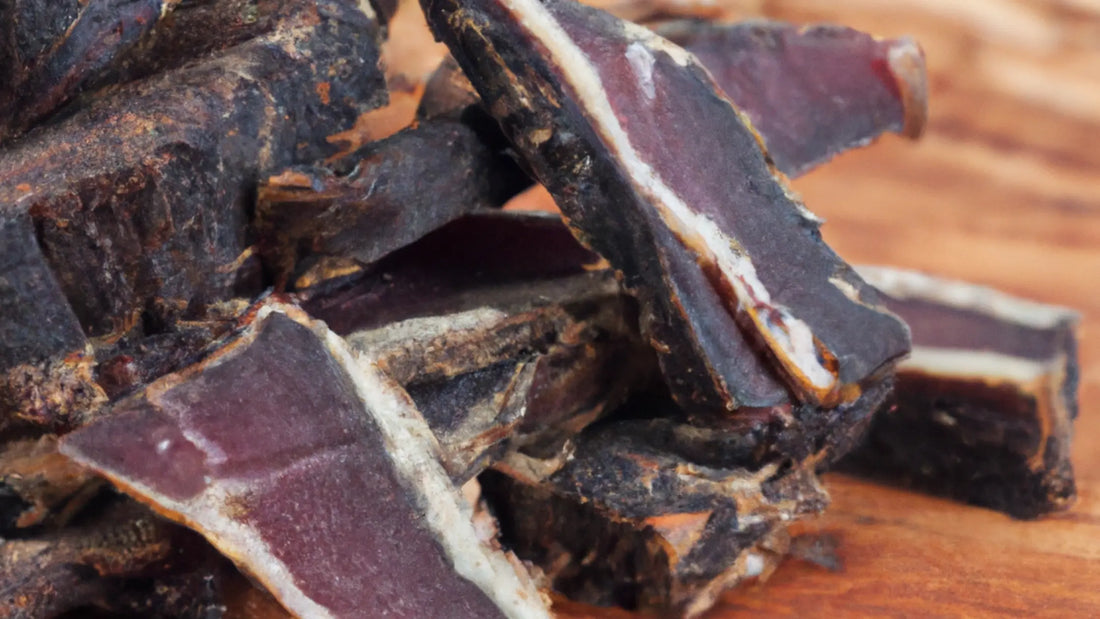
x=139 y=203
x=340 y=447
x=383 y=196
x=723 y=259
x=110 y=42
x=623 y=522
x=514 y=343
x=529 y=366
x=447 y=269
x=983 y=409
x=99 y=31
x=811 y=92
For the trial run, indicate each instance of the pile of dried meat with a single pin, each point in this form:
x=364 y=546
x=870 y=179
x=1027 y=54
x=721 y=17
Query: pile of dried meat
x=258 y=356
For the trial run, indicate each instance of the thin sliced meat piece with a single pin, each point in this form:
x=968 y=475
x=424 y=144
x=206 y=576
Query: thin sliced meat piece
x=657 y=171
x=984 y=407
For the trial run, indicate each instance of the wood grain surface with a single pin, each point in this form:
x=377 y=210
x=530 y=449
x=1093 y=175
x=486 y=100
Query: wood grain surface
x=1004 y=190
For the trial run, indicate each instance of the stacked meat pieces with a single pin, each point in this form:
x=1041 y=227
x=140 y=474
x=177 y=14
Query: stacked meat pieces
x=238 y=342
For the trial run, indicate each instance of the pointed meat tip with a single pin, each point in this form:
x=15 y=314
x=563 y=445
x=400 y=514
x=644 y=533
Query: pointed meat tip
x=907 y=65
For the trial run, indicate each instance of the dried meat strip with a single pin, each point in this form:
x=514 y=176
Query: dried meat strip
x=621 y=521
x=100 y=43
x=383 y=196
x=985 y=405
x=449 y=270
x=325 y=486
x=515 y=345
x=98 y=32
x=528 y=365
x=135 y=209
x=655 y=168
x=811 y=92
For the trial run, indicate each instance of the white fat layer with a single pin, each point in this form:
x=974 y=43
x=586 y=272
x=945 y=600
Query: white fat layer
x=846 y=288
x=793 y=335
x=641 y=62
x=424 y=328
x=981 y=365
x=905 y=284
x=795 y=341
x=415 y=456
x=208 y=512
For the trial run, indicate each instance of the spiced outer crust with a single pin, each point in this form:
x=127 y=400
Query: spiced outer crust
x=982 y=456
x=136 y=208
x=755 y=437
x=108 y=560
x=622 y=522
x=383 y=196
x=109 y=42
x=98 y=32
x=693 y=298
x=510 y=343
x=983 y=410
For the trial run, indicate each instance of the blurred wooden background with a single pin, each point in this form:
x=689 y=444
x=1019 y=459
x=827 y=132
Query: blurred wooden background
x=1004 y=190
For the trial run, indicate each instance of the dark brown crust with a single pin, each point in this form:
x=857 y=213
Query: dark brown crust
x=39 y=486
x=383 y=196
x=110 y=561
x=111 y=42
x=139 y=202
x=322 y=452
x=100 y=31
x=51 y=361
x=753 y=438
x=447 y=93
x=624 y=522
x=971 y=442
